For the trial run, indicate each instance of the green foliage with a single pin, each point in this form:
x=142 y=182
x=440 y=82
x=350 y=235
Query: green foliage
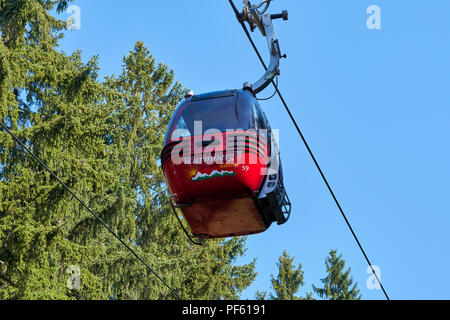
x=103 y=139
x=337 y=285
x=287 y=282
x=289 y=278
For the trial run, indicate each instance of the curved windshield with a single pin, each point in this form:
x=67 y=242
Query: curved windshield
x=219 y=113
x=218 y=110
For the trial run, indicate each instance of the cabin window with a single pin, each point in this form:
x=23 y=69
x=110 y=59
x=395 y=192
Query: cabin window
x=219 y=110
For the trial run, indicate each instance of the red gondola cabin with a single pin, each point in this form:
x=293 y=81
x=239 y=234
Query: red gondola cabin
x=221 y=163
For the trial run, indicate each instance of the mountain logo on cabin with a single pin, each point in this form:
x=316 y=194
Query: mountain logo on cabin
x=214 y=174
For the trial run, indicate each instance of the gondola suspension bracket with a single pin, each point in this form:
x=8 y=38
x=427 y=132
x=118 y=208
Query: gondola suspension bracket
x=256 y=17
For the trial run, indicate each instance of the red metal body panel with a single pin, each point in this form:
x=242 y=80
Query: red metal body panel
x=218 y=199
x=195 y=181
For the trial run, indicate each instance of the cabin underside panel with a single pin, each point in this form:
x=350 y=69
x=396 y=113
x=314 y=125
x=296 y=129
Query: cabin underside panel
x=224 y=218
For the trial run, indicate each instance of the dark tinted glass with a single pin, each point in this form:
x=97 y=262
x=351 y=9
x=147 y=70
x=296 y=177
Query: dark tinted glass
x=258 y=117
x=218 y=110
x=214 y=113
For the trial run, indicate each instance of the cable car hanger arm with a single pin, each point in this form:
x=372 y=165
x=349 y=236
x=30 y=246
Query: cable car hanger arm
x=258 y=19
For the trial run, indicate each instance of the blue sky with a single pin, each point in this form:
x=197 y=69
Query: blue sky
x=373 y=104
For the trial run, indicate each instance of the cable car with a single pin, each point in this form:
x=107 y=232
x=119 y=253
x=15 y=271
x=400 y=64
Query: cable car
x=220 y=156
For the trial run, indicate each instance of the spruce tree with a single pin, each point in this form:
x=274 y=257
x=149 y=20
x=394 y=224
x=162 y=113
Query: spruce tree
x=46 y=97
x=147 y=98
x=103 y=139
x=287 y=282
x=338 y=284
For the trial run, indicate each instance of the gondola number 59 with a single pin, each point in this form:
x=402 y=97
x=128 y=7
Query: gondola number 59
x=245 y=168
